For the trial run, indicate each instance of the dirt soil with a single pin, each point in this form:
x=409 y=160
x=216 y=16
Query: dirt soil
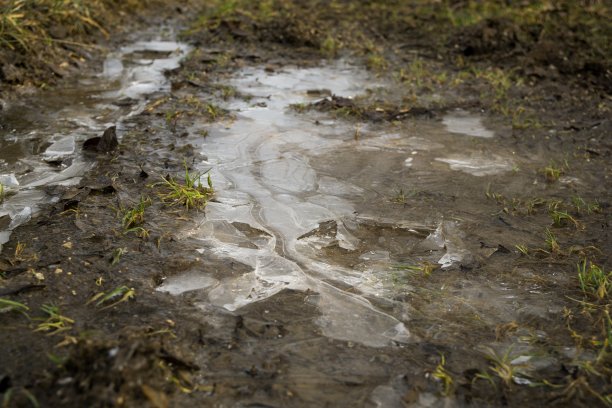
x=540 y=87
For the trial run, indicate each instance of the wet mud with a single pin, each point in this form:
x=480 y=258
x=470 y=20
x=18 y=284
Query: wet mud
x=356 y=252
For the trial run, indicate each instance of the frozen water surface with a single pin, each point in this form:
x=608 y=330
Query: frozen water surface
x=296 y=184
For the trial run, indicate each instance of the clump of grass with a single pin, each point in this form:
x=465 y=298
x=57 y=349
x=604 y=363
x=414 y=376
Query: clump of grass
x=521 y=119
x=552 y=172
x=189 y=106
x=594 y=281
x=523 y=249
x=582 y=206
x=532 y=204
x=140 y=232
x=492 y=195
x=559 y=218
x=19 y=249
x=135 y=216
x=118 y=295
x=376 y=62
x=172 y=118
x=190 y=193
x=7 y=305
x=55 y=322
x=299 y=107
x=500 y=82
x=117 y=254
x=552 y=243
x=415 y=73
x=213 y=111
x=401 y=197
x=504 y=366
x=330 y=46
x=227 y=92
x=441 y=374
x=426 y=268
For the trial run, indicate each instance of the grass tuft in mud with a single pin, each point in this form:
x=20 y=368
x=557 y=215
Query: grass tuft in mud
x=594 y=282
x=189 y=193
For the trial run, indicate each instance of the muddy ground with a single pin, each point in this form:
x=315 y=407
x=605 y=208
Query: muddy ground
x=539 y=81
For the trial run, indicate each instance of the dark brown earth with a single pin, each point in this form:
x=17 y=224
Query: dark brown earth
x=544 y=83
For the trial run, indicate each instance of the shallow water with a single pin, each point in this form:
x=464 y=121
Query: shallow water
x=41 y=137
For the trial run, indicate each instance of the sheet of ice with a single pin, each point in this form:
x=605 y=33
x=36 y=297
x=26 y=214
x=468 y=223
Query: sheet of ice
x=16 y=203
x=20 y=208
x=20 y=218
x=477 y=165
x=448 y=236
x=175 y=285
x=60 y=149
x=9 y=180
x=265 y=156
x=4 y=237
x=466 y=124
x=112 y=66
x=69 y=176
x=352 y=318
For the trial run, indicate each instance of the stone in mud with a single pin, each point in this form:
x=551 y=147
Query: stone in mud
x=109 y=140
x=105 y=144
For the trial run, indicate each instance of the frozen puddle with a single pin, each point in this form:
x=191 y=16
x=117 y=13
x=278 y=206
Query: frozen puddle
x=292 y=221
x=40 y=141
